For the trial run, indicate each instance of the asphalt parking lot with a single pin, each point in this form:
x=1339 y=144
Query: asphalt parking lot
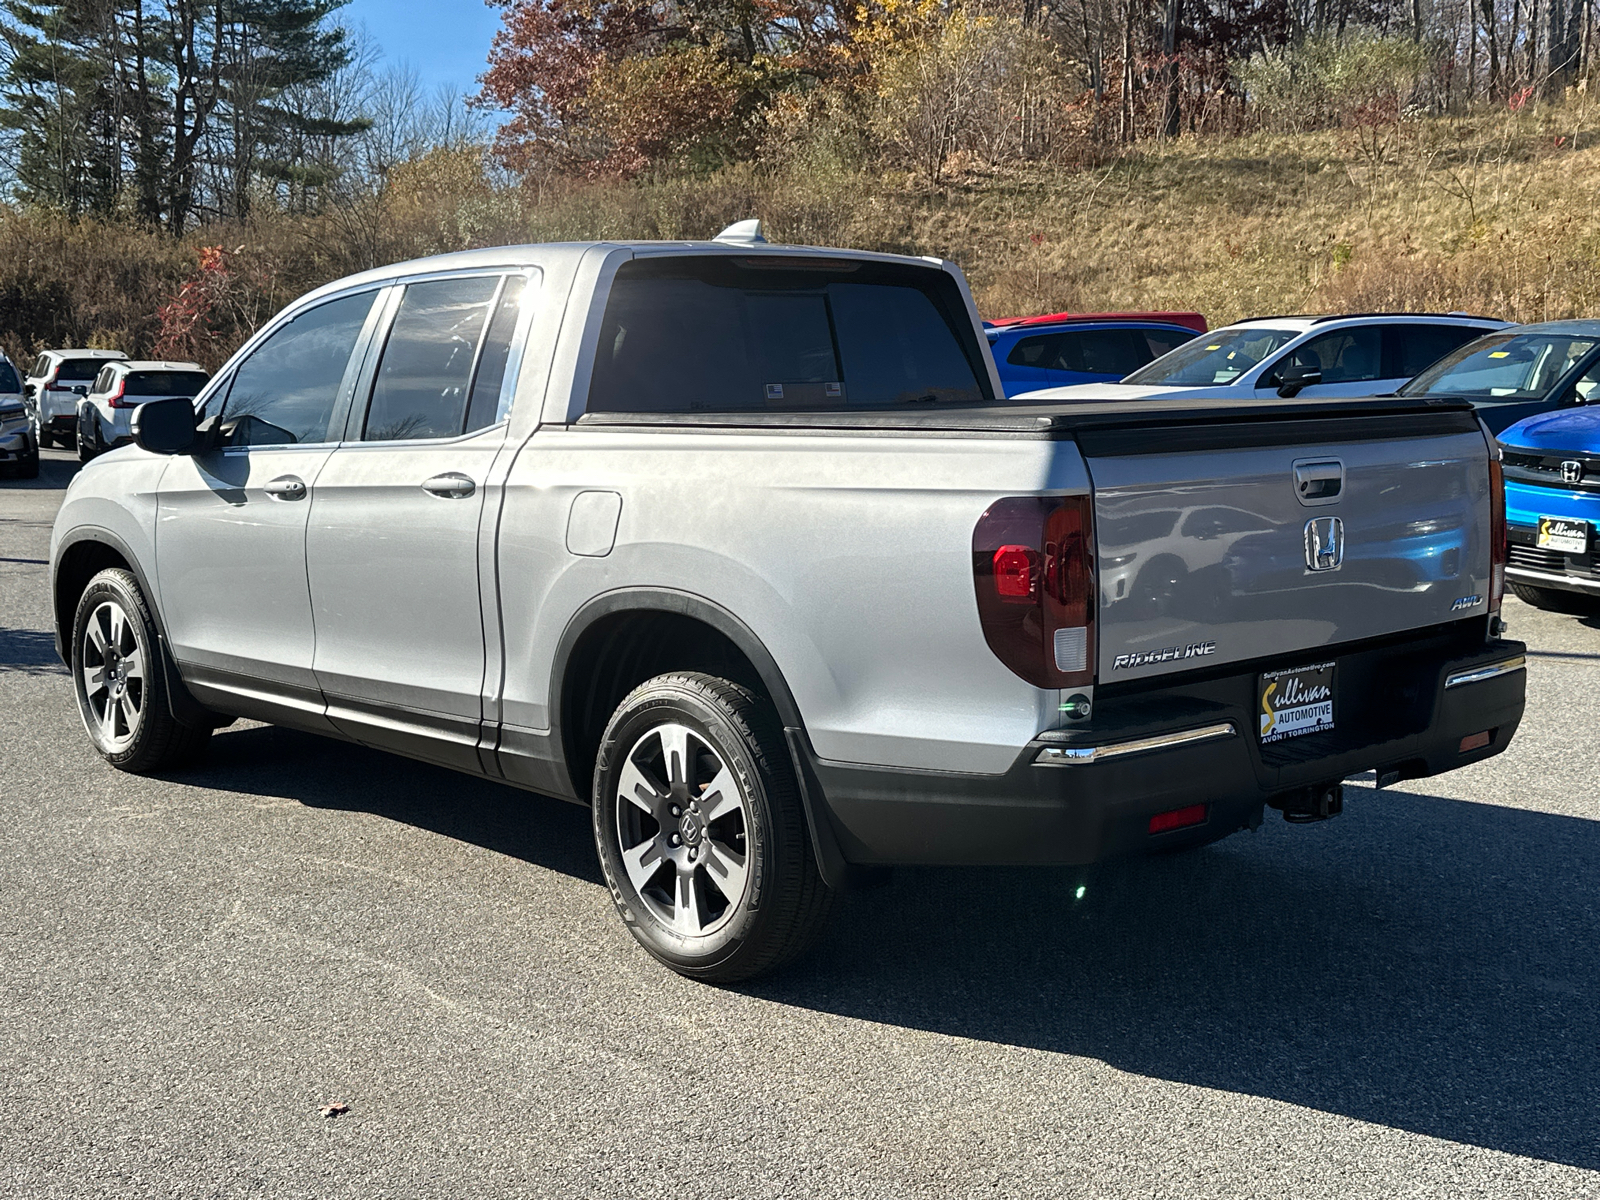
x=1398 y=1002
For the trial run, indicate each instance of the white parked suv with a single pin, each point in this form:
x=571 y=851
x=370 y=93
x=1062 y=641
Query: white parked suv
x=59 y=379
x=1367 y=354
x=104 y=415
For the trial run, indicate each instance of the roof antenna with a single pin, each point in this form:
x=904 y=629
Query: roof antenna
x=743 y=233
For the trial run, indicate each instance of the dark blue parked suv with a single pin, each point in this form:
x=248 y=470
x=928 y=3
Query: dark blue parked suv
x=1066 y=348
x=1519 y=371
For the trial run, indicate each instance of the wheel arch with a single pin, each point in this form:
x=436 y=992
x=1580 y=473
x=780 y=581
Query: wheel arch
x=614 y=642
x=83 y=553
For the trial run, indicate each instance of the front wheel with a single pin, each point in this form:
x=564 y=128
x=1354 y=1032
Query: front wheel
x=121 y=686
x=87 y=443
x=46 y=438
x=699 y=829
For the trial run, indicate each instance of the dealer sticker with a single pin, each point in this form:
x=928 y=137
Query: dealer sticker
x=1296 y=702
x=1563 y=534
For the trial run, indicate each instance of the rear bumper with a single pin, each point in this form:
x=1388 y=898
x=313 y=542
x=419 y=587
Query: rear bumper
x=1403 y=708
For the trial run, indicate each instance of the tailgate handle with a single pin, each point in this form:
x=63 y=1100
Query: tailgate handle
x=1318 y=481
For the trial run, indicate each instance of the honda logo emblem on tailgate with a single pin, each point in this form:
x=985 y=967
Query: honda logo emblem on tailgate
x=1324 y=543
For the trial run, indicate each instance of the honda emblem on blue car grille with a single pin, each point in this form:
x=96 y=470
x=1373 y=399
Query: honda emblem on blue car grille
x=1571 y=471
x=1324 y=543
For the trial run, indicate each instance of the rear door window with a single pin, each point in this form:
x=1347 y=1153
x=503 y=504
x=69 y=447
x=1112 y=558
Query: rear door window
x=287 y=391
x=424 y=380
x=1411 y=349
x=729 y=334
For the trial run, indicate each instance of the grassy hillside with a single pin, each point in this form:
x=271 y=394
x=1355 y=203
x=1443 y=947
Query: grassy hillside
x=1494 y=213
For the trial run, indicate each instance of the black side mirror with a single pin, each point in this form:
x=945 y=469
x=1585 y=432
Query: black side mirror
x=165 y=426
x=1294 y=377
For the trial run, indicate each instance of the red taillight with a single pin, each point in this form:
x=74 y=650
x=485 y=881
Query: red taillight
x=1013 y=573
x=1178 y=818
x=1033 y=566
x=116 y=398
x=1499 y=550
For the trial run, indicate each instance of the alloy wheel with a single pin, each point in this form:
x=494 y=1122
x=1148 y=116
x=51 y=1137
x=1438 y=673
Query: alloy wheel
x=113 y=665
x=682 y=827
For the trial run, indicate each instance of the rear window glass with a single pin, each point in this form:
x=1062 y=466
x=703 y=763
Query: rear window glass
x=165 y=383
x=8 y=378
x=79 y=370
x=727 y=334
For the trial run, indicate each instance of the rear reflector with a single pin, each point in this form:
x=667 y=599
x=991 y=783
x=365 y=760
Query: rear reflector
x=1477 y=741
x=1178 y=818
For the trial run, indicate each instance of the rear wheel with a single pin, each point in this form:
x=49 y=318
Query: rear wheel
x=1556 y=600
x=46 y=439
x=120 y=684
x=28 y=468
x=699 y=829
x=87 y=442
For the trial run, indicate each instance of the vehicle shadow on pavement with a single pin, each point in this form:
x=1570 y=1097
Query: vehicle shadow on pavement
x=1425 y=964
x=321 y=772
x=29 y=650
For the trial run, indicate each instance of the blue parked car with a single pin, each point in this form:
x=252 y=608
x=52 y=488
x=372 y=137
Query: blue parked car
x=1519 y=371
x=1552 y=472
x=1059 y=349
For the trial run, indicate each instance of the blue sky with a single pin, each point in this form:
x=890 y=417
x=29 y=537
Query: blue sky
x=447 y=41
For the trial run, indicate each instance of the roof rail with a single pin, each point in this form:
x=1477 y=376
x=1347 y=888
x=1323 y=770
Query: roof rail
x=1346 y=316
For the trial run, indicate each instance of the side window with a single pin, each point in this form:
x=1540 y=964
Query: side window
x=1036 y=351
x=1410 y=350
x=102 y=381
x=1588 y=384
x=288 y=389
x=485 y=408
x=1343 y=356
x=425 y=377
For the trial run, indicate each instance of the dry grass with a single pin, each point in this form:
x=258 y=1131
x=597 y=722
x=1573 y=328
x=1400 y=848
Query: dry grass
x=1491 y=214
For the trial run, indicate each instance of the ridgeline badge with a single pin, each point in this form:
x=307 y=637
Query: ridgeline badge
x=1145 y=658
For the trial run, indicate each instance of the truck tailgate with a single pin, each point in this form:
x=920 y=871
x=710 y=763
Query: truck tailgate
x=1276 y=535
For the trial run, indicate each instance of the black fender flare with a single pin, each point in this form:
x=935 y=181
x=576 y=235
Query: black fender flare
x=835 y=871
x=185 y=709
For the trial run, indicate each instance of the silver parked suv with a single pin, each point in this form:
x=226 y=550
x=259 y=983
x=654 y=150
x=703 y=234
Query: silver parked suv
x=19 y=433
x=105 y=415
x=59 y=379
x=743 y=547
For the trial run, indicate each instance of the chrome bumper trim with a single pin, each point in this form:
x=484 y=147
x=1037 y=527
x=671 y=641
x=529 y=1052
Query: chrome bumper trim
x=1571 y=582
x=1072 y=756
x=1479 y=674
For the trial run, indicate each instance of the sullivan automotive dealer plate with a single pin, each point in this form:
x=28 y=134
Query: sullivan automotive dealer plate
x=1296 y=702
x=1563 y=534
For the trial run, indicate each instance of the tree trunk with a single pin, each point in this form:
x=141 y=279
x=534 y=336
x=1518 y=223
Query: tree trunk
x=1171 y=117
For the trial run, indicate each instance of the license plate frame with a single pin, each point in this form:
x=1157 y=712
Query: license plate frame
x=1295 y=702
x=1568 y=535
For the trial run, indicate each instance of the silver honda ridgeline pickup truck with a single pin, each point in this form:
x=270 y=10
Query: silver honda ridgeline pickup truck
x=741 y=546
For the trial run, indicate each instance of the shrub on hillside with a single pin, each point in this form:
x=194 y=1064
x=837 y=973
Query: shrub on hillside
x=1331 y=80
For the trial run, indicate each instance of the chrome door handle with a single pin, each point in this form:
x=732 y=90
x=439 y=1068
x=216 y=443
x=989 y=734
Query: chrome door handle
x=285 y=487
x=452 y=485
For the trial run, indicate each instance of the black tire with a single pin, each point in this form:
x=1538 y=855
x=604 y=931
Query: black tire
x=1556 y=600
x=781 y=901
x=28 y=468
x=46 y=439
x=123 y=699
x=86 y=447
